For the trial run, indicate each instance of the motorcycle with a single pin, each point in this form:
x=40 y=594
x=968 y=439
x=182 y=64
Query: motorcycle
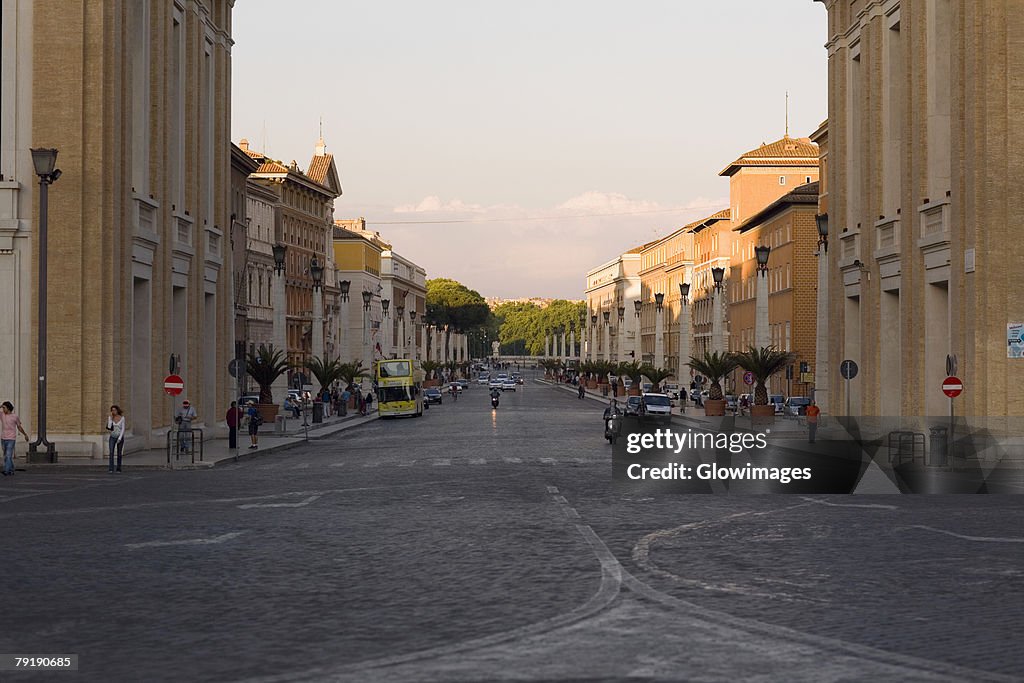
x=494 y=402
x=613 y=428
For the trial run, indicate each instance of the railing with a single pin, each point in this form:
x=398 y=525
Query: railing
x=905 y=443
x=183 y=441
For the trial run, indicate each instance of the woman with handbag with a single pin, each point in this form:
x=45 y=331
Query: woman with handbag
x=117 y=425
x=255 y=420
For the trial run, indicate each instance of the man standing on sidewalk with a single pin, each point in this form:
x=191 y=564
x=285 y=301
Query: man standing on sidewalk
x=232 y=419
x=813 y=411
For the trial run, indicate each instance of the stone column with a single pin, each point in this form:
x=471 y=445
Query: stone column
x=659 y=337
x=565 y=354
x=684 y=344
x=607 y=340
x=318 y=322
x=280 y=386
x=821 y=347
x=718 y=323
x=762 y=332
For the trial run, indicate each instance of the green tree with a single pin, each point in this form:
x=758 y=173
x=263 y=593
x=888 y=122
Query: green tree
x=455 y=308
x=265 y=365
x=350 y=373
x=430 y=367
x=656 y=375
x=326 y=372
x=763 y=362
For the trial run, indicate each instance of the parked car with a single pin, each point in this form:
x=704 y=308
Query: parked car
x=779 y=401
x=731 y=403
x=656 y=406
x=244 y=400
x=670 y=388
x=796 y=405
x=633 y=405
x=432 y=395
x=627 y=383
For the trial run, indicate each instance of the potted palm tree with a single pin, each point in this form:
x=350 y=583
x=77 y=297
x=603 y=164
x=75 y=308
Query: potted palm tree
x=430 y=367
x=351 y=373
x=714 y=366
x=326 y=373
x=763 y=363
x=634 y=370
x=265 y=365
x=657 y=376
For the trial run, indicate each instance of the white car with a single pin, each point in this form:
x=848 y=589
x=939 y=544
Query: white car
x=656 y=406
x=496 y=383
x=508 y=384
x=483 y=379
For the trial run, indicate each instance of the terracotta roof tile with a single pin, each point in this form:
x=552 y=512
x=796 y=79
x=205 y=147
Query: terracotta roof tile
x=697 y=226
x=318 y=167
x=272 y=167
x=785 y=152
x=804 y=194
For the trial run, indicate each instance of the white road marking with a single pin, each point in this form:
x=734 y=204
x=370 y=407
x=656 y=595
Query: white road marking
x=980 y=539
x=372 y=463
x=407 y=463
x=561 y=499
x=477 y=461
x=191 y=541
x=547 y=461
x=442 y=462
x=337 y=464
x=552 y=489
x=513 y=461
x=303 y=466
x=571 y=513
x=301 y=503
x=873 y=506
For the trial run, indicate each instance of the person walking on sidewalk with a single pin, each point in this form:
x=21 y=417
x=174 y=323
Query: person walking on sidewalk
x=346 y=395
x=183 y=418
x=117 y=425
x=369 y=402
x=255 y=420
x=582 y=391
x=11 y=427
x=813 y=411
x=233 y=417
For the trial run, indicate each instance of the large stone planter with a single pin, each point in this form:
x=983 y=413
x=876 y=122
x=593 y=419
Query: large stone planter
x=762 y=415
x=431 y=383
x=591 y=384
x=714 y=408
x=268 y=411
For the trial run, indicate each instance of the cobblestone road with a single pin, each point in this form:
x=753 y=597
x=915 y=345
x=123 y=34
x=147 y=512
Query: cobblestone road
x=485 y=545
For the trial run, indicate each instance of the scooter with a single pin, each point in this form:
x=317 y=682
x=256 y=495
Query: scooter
x=613 y=428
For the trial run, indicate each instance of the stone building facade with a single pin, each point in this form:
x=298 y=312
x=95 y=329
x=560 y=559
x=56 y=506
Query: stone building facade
x=788 y=227
x=925 y=118
x=404 y=286
x=611 y=286
x=136 y=98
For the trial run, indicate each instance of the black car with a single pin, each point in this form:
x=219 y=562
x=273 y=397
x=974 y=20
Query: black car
x=432 y=395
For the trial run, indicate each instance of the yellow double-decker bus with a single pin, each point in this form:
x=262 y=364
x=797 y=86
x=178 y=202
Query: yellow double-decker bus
x=399 y=387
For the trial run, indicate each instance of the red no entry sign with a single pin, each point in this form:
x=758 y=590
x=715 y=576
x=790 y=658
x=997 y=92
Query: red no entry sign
x=952 y=386
x=173 y=385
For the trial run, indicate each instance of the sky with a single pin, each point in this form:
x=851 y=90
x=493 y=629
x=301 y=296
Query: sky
x=559 y=133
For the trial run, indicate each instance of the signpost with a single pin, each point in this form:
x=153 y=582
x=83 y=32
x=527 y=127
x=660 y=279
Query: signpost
x=952 y=387
x=748 y=378
x=848 y=369
x=173 y=385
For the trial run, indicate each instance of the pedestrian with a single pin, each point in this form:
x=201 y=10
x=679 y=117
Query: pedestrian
x=11 y=427
x=325 y=397
x=233 y=417
x=582 y=391
x=183 y=418
x=813 y=411
x=255 y=420
x=369 y=402
x=346 y=396
x=682 y=399
x=117 y=426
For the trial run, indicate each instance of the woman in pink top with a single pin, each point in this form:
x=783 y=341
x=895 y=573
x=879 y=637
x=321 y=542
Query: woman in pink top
x=11 y=426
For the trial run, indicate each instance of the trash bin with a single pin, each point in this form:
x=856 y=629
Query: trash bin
x=318 y=412
x=938 y=453
x=604 y=389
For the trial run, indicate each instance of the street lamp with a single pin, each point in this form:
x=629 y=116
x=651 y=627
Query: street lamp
x=344 y=287
x=659 y=300
x=316 y=271
x=637 y=305
x=280 y=251
x=607 y=316
x=622 y=313
x=761 y=252
x=400 y=312
x=367 y=295
x=684 y=291
x=384 y=303
x=718 y=275
x=44 y=160
x=822 y=220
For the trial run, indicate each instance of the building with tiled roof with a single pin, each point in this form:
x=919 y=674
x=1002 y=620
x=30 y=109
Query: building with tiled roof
x=306 y=228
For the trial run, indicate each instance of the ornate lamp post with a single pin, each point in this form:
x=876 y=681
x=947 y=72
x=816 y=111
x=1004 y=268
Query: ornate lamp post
x=44 y=160
x=762 y=333
x=412 y=339
x=400 y=331
x=316 y=271
x=367 y=352
x=606 y=315
x=821 y=358
x=385 y=329
x=684 y=334
x=620 y=351
x=718 y=323
x=593 y=337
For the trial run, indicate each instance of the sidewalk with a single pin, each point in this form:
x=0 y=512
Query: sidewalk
x=215 y=451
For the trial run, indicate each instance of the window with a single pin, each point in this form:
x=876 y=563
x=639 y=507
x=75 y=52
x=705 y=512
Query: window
x=807 y=179
x=782 y=180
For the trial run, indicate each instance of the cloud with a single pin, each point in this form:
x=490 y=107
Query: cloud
x=511 y=251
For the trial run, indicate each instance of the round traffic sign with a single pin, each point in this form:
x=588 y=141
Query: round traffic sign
x=748 y=378
x=173 y=385
x=848 y=369
x=237 y=367
x=952 y=386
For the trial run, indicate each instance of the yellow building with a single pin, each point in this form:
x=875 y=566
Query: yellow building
x=357 y=258
x=925 y=204
x=788 y=227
